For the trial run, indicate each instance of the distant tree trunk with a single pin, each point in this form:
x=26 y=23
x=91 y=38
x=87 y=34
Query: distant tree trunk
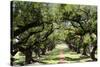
x=93 y=53
x=37 y=51
x=70 y=46
x=74 y=47
x=28 y=56
x=78 y=49
x=84 y=49
x=80 y=45
x=43 y=51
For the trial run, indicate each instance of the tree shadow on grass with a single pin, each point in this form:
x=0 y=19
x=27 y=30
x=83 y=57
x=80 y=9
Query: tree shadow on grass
x=77 y=59
x=72 y=59
x=57 y=58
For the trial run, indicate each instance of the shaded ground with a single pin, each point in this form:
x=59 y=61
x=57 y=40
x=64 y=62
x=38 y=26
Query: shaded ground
x=61 y=54
x=55 y=56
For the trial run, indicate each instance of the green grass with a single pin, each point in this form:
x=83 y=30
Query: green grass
x=53 y=56
x=70 y=57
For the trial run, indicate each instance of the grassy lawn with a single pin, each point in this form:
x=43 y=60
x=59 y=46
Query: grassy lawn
x=53 y=57
x=69 y=56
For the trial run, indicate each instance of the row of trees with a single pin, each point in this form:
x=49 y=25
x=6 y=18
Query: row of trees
x=82 y=36
x=31 y=27
x=38 y=26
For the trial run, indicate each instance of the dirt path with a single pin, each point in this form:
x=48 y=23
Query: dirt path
x=61 y=53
